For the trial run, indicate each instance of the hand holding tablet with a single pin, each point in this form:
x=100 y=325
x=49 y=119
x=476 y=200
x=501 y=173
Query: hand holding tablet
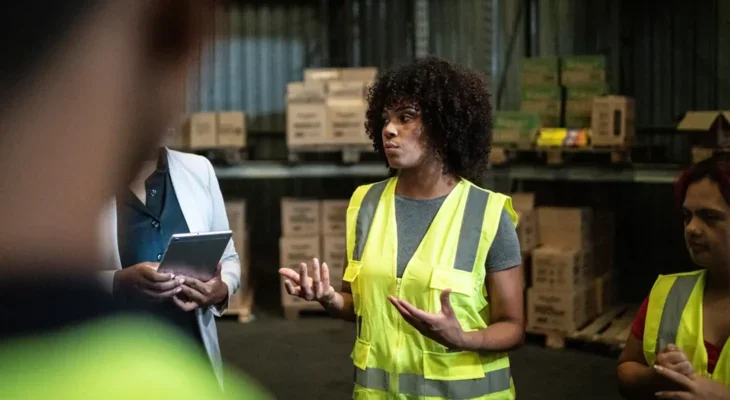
x=195 y=254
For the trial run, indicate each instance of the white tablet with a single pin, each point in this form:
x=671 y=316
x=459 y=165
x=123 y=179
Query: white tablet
x=195 y=254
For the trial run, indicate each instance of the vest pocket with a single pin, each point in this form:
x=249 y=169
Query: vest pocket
x=350 y=275
x=452 y=366
x=457 y=281
x=360 y=354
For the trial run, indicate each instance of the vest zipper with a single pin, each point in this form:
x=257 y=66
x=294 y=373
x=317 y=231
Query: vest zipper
x=394 y=383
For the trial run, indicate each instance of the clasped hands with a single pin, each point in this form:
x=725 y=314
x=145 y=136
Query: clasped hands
x=673 y=364
x=442 y=327
x=186 y=292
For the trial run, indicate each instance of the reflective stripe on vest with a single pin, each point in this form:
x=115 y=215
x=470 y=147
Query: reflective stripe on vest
x=365 y=217
x=674 y=305
x=417 y=385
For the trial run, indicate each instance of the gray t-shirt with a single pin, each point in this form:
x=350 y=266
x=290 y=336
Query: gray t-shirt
x=414 y=216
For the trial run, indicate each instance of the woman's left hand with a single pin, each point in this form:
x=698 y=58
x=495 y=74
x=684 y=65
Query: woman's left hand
x=442 y=327
x=696 y=387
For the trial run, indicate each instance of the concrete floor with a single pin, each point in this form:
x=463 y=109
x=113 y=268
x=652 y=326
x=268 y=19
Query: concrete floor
x=309 y=359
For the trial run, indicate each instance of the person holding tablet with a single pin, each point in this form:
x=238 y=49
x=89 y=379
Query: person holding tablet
x=173 y=193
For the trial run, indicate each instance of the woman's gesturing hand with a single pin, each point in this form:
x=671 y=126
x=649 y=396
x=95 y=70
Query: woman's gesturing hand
x=317 y=287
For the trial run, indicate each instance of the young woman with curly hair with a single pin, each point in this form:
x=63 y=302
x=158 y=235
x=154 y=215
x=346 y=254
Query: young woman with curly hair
x=677 y=348
x=433 y=278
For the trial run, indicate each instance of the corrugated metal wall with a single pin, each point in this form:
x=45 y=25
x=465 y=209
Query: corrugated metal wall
x=259 y=48
x=672 y=57
x=461 y=31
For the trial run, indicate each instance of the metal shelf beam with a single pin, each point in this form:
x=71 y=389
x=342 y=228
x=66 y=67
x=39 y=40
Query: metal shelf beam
x=276 y=170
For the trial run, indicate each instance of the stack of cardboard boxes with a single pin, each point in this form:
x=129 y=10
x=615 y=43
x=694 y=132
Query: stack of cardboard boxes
x=564 y=294
x=584 y=78
x=206 y=130
x=242 y=300
x=312 y=229
x=568 y=92
x=328 y=108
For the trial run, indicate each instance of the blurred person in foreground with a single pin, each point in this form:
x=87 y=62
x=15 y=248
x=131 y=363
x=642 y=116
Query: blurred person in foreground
x=677 y=348
x=434 y=277
x=87 y=89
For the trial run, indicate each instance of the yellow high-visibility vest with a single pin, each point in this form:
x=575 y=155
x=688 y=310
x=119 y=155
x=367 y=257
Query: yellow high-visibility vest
x=674 y=316
x=392 y=359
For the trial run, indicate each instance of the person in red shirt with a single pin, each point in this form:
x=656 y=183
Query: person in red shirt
x=703 y=193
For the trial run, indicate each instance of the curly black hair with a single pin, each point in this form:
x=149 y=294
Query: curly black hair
x=455 y=107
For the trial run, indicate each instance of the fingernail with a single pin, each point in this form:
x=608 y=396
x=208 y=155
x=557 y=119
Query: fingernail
x=172 y=276
x=178 y=290
x=182 y=281
x=658 y=367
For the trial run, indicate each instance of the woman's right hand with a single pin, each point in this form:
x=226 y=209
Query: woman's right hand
x=317 y=287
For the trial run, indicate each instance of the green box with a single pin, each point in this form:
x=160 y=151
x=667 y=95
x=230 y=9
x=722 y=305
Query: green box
x=540 y=71
x=515 y=127
x=546 y=101
x=579 y=104
x=583 y=70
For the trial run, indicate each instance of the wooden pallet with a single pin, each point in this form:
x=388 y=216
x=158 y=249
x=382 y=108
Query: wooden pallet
x=571 y=155
x=292 y=311
x=347 y=154
x=610 y=329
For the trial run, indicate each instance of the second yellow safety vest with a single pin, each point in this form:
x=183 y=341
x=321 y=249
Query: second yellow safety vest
x=674 y=316
x=392 y=359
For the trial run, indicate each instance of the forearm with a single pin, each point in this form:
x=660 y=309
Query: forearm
x=498 y=337
x=341 y=306
x=637 y=381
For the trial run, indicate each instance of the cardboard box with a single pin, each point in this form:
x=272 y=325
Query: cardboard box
x=497 y=156
x=322 y=74
x=564 y=227
x=560 y=269
x=583 y=70
x=363 y=74
x=560 y=311
x=200 y=130
x=613 y=121
x=232 y=129
x=545 y=101
x=524 y=205
x=334 y=217
x=334 y=253
x=236 y=212
x=293 y=252
x=300 y=218
x=516 y=128
x=540 y=71
x=306 y=114
x=346 y=109
x=708 y=128
x=579 y=104
x=606 y=293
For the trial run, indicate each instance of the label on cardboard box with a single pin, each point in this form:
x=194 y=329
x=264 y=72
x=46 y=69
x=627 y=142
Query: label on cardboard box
x=346 y=120
x=346 y=90
x=201 y=130
x=334 y=217
x=540 y=71
x=321 y=74
x=558 y=269
x=563 y=311
x=305 y=92
x=232 y=129
x=300 y=217
x=579 y=70
x=306 y=124
x=515 y=127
